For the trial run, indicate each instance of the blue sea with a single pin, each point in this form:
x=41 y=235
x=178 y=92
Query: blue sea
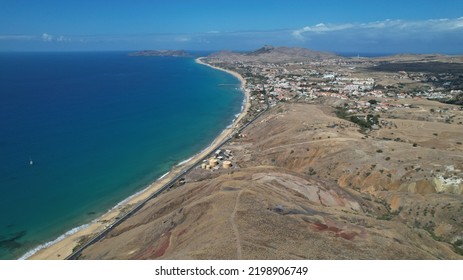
x=80 y=132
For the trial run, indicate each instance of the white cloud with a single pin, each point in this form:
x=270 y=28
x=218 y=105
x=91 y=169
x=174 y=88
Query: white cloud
x=47 y=37
x=52 y=38
x=402 y=26
x=447 y=24
x=182 y=39
x=320 y=28
x=16 y=37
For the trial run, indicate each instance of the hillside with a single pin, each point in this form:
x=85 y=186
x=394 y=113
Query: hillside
x=273 y=54
x=308 y=185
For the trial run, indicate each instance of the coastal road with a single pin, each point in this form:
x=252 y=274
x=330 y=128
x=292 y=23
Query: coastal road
x=102 y=234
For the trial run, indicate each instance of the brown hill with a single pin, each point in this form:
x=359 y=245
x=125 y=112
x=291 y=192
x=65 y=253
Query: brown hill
x=274 y=54
x=306 y=185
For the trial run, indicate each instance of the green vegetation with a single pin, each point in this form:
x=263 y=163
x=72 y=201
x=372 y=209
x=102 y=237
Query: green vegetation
x=432 y=67
x=311 y=171
x=365 y=122
x=341 y=112
x=390 y=215
x=457 y=100
x=457 y=248
x=385 y=217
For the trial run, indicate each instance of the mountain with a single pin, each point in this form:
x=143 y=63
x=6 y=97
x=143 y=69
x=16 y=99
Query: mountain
x=274 y=54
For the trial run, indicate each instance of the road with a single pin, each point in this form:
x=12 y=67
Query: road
x=169 y=184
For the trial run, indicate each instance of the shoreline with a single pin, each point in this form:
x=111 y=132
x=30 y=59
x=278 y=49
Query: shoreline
x=63 y=246
x=247 y=100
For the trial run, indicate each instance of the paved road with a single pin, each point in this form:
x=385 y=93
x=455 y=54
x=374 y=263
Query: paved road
x=169 y=184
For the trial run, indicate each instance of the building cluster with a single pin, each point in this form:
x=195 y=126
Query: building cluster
x=220 y=159
x=270 y=83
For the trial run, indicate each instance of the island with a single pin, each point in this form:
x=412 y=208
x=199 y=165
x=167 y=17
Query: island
x=175 y=53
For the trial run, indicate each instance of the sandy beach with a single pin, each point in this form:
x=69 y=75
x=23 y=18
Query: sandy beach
x=60 y=249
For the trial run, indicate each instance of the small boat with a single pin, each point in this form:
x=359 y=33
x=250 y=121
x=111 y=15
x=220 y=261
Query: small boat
x=31 y=162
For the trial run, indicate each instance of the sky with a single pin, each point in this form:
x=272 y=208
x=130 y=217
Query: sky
x=369 y=26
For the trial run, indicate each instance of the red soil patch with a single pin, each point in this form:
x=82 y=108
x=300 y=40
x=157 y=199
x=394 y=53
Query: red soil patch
x=334 y=229
x=319 y=226
x=164 y=245
x=182 y=232
x=150 y=252
x=348 y=235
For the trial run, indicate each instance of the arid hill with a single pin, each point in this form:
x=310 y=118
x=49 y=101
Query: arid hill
x=273 y=54
x=308 y=185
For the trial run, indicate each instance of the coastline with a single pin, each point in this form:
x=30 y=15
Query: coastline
x=63 y=246
x=247 y=103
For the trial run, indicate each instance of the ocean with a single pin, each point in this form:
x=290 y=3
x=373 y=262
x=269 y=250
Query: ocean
x=80 y=132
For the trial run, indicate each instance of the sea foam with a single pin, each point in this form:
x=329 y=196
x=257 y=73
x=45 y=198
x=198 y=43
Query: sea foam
x=50 y=243
x=148 y=116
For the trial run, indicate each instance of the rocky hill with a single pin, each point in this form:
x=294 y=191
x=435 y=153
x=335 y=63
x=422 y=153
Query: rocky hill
x=273 y=54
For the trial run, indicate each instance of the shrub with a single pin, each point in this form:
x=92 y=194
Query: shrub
x=311 y=171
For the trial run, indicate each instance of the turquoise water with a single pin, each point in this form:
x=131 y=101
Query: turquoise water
x=98 y=127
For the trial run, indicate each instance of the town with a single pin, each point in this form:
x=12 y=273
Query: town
x=357 y=86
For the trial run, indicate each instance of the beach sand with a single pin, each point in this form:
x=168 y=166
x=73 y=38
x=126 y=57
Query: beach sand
x=64 y=247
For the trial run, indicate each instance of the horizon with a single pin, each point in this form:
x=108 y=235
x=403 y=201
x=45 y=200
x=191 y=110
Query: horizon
x=418 y=27
x=195 y=52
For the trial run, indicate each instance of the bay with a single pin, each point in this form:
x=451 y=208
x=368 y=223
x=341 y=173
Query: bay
x=79 y=132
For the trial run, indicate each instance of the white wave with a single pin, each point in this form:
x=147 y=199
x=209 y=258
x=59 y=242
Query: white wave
x=137 y=193
x=84 y=226
x=185 y=161
x=76 y=229
x=165 y=174
x=48 y=244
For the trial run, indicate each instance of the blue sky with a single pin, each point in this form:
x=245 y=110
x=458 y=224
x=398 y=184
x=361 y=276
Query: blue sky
x=341 y=26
